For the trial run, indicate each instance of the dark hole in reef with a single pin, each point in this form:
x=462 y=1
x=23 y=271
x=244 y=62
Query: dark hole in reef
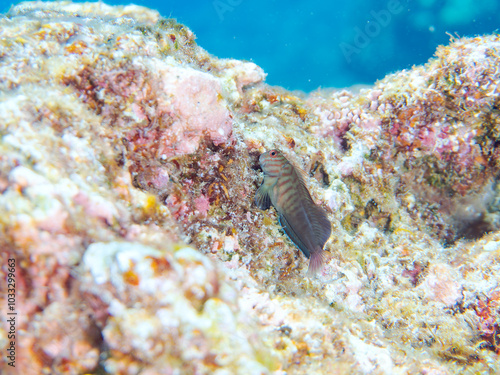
x=255 y=160
x=496 y=144
x=256 y=167
x=474 y=230
x=323 y=174
x=375 y=154
x=285 y=330
x=469 y=231
x=344 y=143
x=370 y=208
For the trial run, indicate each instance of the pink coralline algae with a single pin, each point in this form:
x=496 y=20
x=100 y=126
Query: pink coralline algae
x=441 y=285
x=202 y=204
x=128 y=167
x=194 y=98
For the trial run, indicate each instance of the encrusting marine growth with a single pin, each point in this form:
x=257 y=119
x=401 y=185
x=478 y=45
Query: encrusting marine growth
x=129 y=165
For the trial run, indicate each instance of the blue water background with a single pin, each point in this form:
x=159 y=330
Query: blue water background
x=303 y=45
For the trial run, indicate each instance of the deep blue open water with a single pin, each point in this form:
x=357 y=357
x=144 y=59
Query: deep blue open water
x=303 y=45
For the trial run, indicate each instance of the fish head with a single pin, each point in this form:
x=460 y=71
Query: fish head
x=272 y=162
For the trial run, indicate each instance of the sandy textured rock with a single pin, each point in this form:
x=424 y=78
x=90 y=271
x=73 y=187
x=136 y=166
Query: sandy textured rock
x=128 y=167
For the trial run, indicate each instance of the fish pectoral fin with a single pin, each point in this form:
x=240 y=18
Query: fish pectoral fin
x=262 y=199
x=293 y=235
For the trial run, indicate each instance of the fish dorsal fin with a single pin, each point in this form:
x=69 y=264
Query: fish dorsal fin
x=301 y=174
x=290 y=232
x=301 y=179
x=262 y=198
x=320 y=224
x=322 y=227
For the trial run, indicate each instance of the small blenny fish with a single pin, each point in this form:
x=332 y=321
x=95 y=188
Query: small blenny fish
x=305 y=223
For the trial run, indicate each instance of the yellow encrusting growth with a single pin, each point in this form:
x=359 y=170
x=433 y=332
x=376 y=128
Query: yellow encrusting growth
x=122 y=141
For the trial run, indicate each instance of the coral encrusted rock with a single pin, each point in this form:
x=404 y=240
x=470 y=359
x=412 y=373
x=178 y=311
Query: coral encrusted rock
x=128 y=169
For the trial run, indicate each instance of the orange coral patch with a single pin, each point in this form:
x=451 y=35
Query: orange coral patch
x=130 y=277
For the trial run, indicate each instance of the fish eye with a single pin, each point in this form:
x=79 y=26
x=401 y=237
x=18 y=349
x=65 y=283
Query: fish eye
x=272 y=153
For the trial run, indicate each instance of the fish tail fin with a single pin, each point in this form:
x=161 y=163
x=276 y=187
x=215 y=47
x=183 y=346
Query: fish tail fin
x=316 y=262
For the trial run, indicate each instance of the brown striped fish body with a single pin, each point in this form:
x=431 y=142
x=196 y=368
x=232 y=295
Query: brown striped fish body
x=305 y=223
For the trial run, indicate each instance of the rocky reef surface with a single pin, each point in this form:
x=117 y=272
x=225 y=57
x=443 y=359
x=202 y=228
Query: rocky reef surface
x=128 y=167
